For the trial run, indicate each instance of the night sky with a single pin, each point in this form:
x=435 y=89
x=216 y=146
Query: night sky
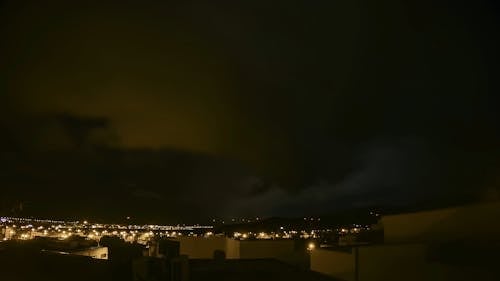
x=171 y=111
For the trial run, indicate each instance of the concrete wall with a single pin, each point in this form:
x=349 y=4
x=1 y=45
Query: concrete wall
x=422 y=246
x=201 y=247
x=232 y=249
x=394 y=262
x=377 y=263
x=470 y=222
x=257 y=249
x=411 y=262
x=337 y=264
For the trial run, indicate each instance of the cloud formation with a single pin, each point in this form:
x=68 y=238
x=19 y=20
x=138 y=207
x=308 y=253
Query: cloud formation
x=298 y=107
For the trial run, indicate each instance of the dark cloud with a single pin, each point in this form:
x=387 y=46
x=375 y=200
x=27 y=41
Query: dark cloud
x=392 y=173
x=191 y=109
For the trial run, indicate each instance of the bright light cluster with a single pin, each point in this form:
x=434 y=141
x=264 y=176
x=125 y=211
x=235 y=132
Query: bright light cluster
x=26 y=228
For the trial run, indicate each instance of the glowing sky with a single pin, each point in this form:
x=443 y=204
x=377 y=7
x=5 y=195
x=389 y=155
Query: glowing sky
x=272 y=108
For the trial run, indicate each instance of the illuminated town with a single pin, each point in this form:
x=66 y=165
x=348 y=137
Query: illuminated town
x=27 y=228
x=175 y=252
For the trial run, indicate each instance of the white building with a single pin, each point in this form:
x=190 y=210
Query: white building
x=204 y=248
x=94 y=252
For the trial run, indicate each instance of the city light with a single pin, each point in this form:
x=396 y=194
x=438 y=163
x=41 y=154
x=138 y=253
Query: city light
x=27 y=229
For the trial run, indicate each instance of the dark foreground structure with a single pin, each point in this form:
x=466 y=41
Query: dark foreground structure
x=249 y=270
x=27 y=261
x=30 y=266
x=53 y=267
